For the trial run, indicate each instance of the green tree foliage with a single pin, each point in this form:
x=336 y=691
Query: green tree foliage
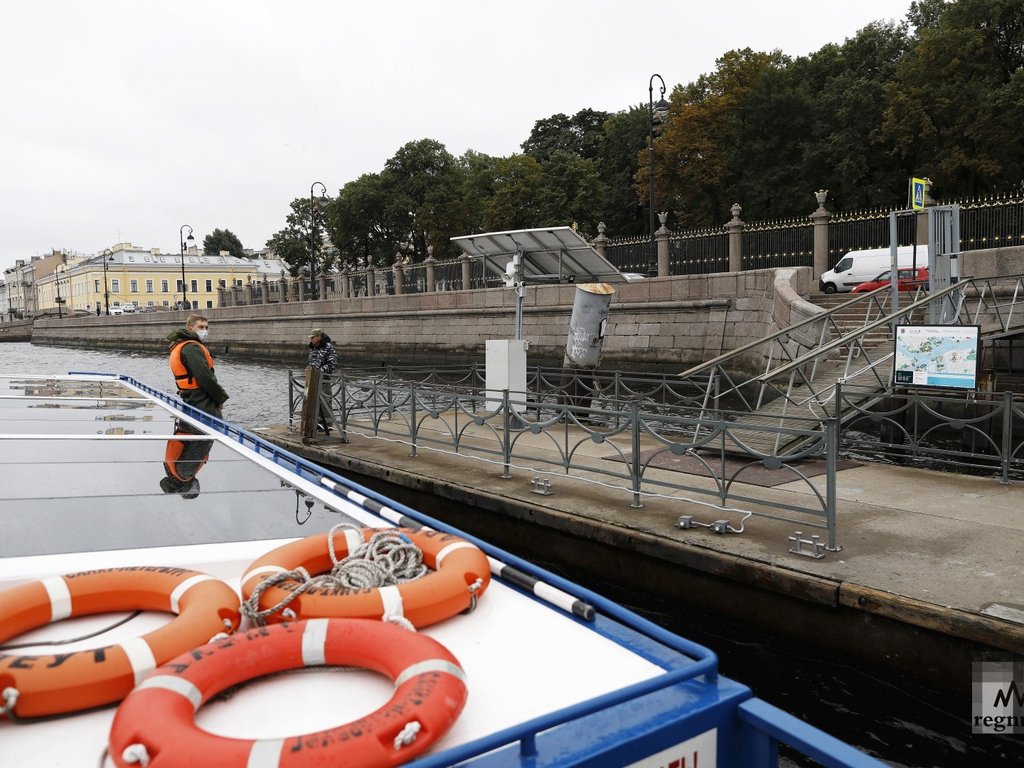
x=695 y=171
x=623 y=139
x=580 y=135
x=514 y=203
x=956 y=107
x=223 y=240
x=292 y=244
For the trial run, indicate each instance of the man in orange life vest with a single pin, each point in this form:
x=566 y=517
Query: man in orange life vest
x=192 y=366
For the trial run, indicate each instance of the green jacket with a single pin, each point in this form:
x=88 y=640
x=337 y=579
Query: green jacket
x=210 y=395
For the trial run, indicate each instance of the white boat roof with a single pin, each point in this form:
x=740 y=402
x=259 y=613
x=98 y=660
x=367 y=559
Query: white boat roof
x=83 y=460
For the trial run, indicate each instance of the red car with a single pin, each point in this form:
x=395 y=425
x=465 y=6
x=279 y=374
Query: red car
x=909 y=279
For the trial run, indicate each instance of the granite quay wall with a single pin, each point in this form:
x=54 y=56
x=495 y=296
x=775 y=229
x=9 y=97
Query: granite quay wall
x=17 y=330
x=660 y=323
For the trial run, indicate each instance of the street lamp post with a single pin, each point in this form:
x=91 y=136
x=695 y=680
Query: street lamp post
x=660 y=110
x=191 y=240
x=106 y=291
x=312 y=236
x=60 y=301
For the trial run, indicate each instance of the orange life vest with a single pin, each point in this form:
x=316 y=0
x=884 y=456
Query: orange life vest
x=172 y=454
x=182 y=377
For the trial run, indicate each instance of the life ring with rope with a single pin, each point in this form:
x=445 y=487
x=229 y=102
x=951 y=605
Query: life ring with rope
x=155 y=725
x=57 y=683
x=279 y=586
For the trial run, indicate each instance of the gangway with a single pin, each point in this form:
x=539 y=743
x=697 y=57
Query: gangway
x=849 y=344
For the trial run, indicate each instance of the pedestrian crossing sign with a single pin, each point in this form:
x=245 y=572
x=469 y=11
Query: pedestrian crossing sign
x=917 y=193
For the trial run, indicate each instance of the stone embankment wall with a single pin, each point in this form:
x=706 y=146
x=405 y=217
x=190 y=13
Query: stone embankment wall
x=657 y=324
x=18 y=330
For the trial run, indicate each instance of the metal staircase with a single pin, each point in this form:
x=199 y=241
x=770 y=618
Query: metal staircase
x=848 y=341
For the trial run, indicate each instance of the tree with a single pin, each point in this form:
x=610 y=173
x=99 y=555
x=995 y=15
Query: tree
x=358 y=220
x=292 y=243
x=223 y=240
x=957 y=102
x=514 y=203
x=580 y=134
x=623 y=139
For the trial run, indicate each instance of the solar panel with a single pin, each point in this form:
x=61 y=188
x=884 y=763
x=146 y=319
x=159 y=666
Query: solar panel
x=552 y=254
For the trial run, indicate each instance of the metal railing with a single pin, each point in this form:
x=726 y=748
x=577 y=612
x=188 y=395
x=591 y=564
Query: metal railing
x=630 y=444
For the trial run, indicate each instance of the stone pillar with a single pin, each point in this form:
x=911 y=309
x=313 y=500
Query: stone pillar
x=399 y=272
x=601 y=241
x=465 y=271
x=247 y=294
x=735 y=230
x=429 y=261
x=283 y=289
x=222 y=298
x=344 y=282
x=321 y=283
x=662 y=237
x=265 y=291
x=371 y=277
x=820 y=220
x=302 y=288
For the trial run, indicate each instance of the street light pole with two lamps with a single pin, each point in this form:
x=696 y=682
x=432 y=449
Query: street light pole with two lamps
x=659 y=110
x=312 y=236
x=191 y=240
x=107 y=256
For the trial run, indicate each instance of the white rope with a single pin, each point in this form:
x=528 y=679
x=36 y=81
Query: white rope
x=10 y=696
x=408 y=734
x=136 y=753
x=387 y=559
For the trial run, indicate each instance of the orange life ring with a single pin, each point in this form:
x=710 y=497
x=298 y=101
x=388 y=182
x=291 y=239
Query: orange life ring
x=461 y=573
x=67 y=682
x=155 y=724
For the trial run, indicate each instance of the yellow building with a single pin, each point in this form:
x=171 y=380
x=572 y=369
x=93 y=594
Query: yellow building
x=128 y=277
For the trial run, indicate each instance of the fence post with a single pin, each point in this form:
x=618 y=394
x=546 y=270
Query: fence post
x=506 y=436
x=465 y=271
x=371 y=279
x=820 y=219
x=635 y=462
x=413 y=419
x=662 y=237
x=283 y=289
x=600 y=243
x=344 y=281
x=399 y=271
x=265 y=291
x=735 y=230
x=1007 y=442
x=429 y=261
x=831 y=460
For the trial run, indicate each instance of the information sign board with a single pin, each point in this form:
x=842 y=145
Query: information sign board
x=941 y=356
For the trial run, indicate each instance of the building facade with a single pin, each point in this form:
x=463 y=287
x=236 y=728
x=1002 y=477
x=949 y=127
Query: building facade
x=127 y=278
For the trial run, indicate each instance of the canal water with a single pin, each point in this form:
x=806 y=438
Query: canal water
x=906 y=729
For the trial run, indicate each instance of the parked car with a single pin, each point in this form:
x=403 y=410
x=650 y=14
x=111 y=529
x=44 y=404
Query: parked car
x=116 y=311
x=909 y=279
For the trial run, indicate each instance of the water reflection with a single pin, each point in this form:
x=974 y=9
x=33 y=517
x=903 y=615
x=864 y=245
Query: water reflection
x=182 y=461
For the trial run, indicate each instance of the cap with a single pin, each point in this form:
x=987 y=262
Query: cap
x=316 y=332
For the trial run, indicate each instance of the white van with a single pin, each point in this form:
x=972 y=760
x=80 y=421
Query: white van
x=860 y=266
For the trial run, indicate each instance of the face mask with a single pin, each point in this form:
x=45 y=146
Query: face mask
x=201 y=333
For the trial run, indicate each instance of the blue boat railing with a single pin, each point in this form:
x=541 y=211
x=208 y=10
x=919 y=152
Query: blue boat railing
x=763 y=722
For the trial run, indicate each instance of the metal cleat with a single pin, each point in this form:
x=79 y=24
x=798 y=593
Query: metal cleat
x=812 y=547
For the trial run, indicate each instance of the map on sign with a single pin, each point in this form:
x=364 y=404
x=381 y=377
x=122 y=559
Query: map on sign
x=936 y=356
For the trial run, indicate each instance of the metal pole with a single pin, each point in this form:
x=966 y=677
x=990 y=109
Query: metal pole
x=312 y=237
x=56 y=281
x=106 y=291
x=184 y=289
x=650 y=144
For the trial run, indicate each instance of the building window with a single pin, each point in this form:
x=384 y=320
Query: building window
x=178 y=285
x=133 y=286
x=163 y=286
x=149 y=287
x=195 y=287
x=209 y=305
x=209 y=286
x=115 y=285
x=96 y=286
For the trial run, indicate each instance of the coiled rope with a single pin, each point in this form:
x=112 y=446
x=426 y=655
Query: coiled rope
x=387 y=559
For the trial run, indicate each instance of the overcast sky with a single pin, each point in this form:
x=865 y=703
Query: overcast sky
x=122 y=121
